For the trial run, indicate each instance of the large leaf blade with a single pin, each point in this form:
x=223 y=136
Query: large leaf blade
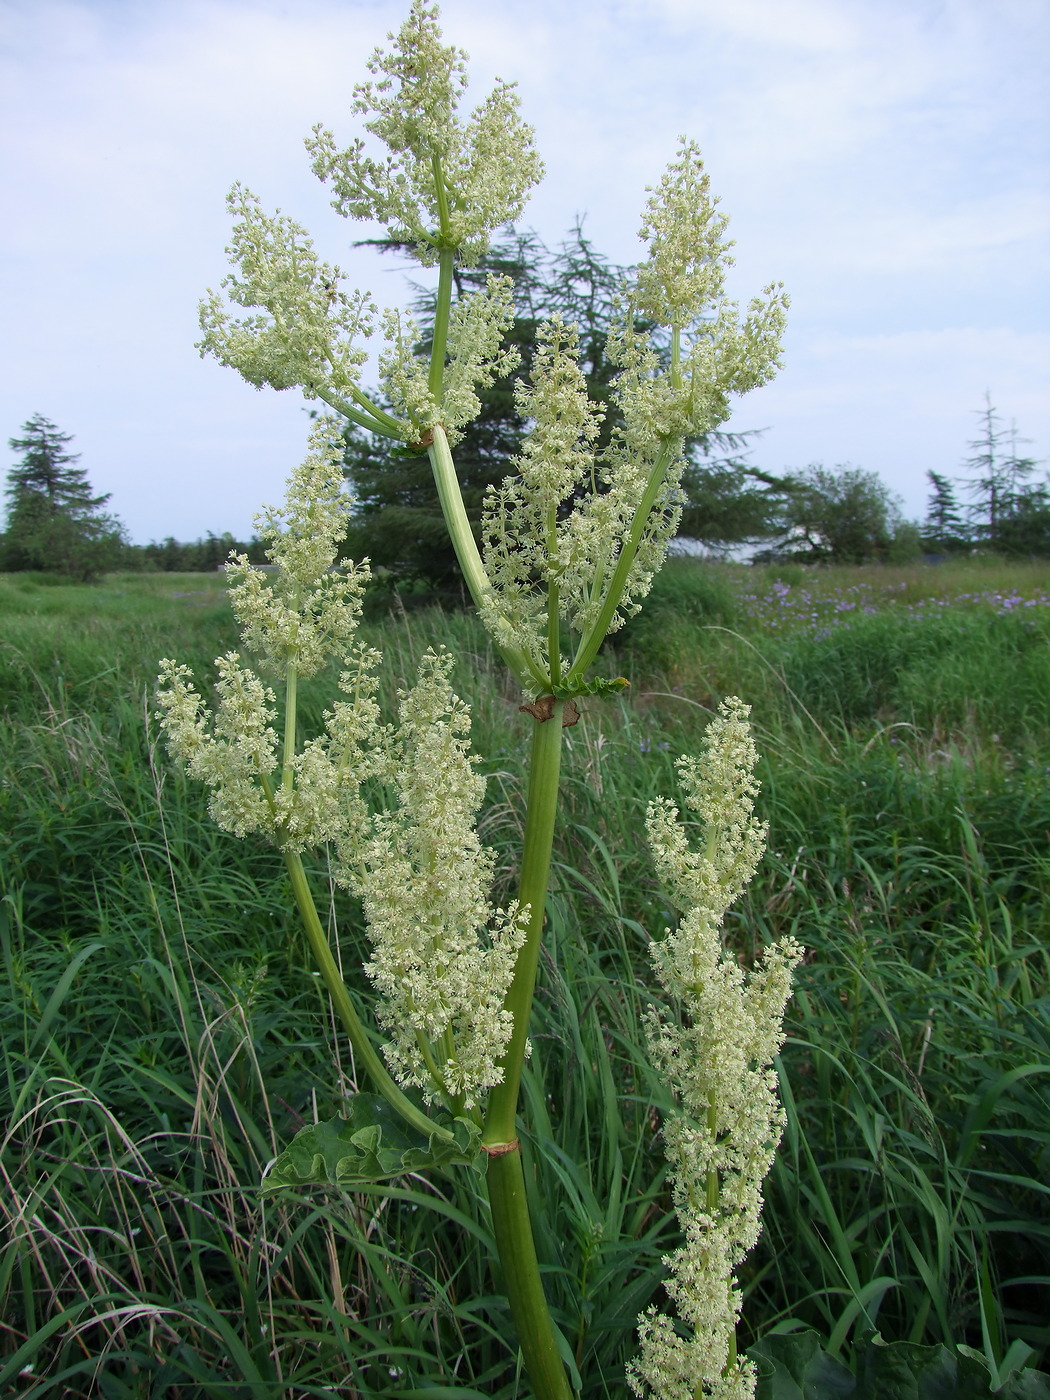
x=371 y=1142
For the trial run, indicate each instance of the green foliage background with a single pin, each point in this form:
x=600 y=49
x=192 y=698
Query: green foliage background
x=164 y=1039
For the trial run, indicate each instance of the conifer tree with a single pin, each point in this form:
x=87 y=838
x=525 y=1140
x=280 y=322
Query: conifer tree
x=943 y=529
x=54 y=522
x=999 y=476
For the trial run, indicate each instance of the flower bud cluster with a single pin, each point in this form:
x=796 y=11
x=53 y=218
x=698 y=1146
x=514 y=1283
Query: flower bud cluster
x=714 y=1041
x=443 y=183
x=303 y=326
x=443 y=956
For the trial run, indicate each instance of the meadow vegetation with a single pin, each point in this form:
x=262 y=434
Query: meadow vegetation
x=164 y=1036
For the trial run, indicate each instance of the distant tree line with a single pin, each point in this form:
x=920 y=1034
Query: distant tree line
x=55 y=524
x=839 y=515
x=193 y=556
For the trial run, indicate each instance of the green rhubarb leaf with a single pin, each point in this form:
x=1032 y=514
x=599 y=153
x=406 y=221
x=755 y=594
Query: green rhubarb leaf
x=371 y=1142
x=793 y=1366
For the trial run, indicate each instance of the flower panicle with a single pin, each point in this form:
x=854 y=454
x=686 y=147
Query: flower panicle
x=232 y=751
x=443 y=183
x=528 y=543
x=302 y=620
x=566 y=517
x=309 y=614
x=476 y=357
x=442 y=954
x=680 y=288
x=714 y=1040
x=302 y=329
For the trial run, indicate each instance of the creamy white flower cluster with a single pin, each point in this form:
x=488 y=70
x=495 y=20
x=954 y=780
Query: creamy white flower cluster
x=443 y=183
x=594 y=531
x=681 y=287
x=443 y=956
x=232 y=751
x=303 y=326
x=476 y=357
x=533 y=541
x=310 y=613
x=715 y=1042
x=305 y=618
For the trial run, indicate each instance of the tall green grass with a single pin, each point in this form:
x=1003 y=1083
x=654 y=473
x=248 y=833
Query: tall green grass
x=163 y=1034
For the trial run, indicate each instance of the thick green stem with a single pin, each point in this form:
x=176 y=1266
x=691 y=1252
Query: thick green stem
x=540 y=813
x=291 y=683
x=465 y=545
x=443 y=305
x=506 y=1182
x=521 y=1276
x=442 y=315
x=364 y=1051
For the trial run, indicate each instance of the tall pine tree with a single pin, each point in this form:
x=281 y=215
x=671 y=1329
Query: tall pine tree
x=54 y=522
x=943 y=529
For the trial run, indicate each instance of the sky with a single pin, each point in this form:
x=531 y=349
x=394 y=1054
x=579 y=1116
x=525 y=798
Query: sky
x=886 y=159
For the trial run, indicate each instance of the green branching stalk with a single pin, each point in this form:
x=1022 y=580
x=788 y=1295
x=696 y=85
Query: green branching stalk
x=510 y=1214
x=443 y=307
x=535 y=875
x=368 y=415
x=592 y=640
x=291 y=681
x=467 y=553
x=554 y=634
x=364 y=1052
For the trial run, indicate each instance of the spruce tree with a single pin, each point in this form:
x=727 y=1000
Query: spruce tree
x=54 y=521
x=943 y=529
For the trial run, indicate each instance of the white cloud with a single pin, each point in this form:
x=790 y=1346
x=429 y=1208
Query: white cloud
x=882 y=157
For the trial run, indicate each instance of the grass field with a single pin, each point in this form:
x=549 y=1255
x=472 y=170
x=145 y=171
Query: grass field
x=164 y=1035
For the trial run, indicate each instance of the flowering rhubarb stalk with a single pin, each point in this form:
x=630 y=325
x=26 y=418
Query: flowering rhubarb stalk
x=569 y=546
